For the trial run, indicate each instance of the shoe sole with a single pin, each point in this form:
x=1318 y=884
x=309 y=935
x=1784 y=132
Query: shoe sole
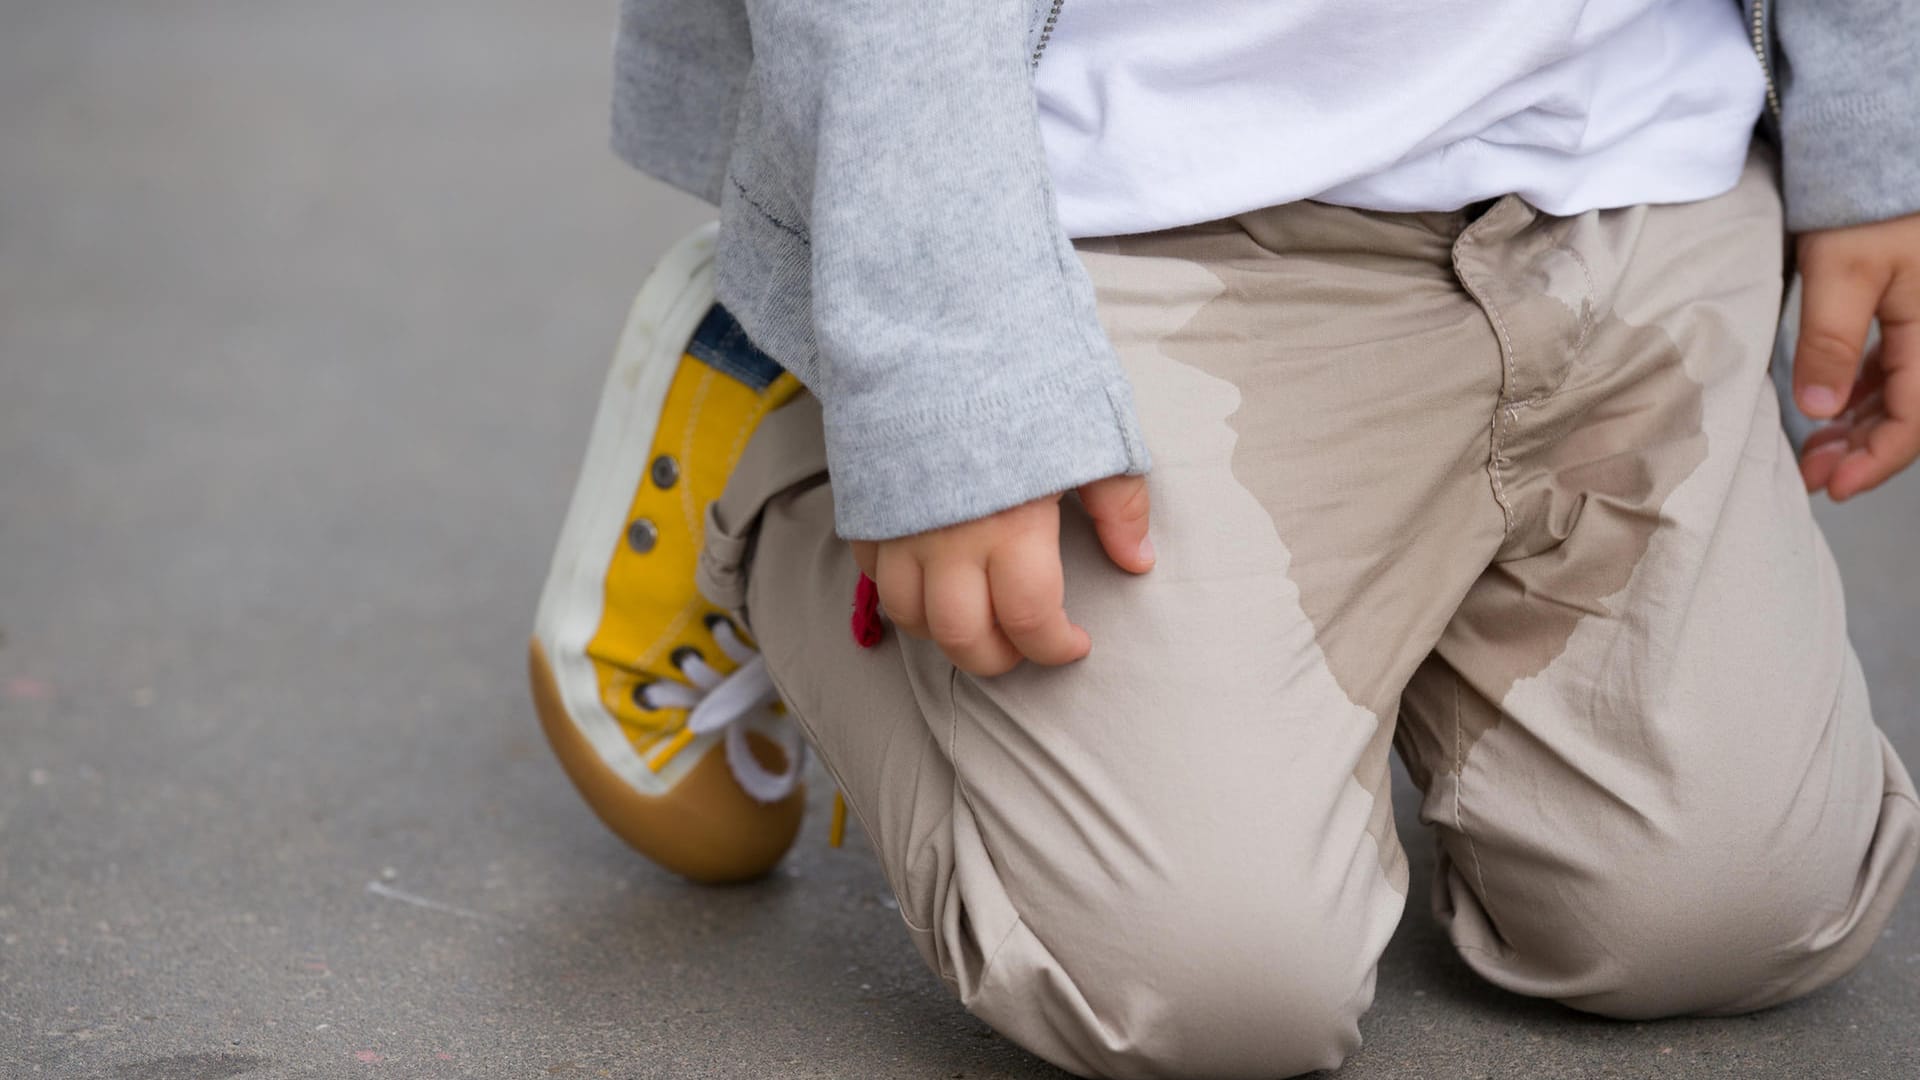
x=691 y=817
x=705 y=829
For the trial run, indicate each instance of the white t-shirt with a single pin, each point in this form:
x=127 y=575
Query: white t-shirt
x=1158 y=113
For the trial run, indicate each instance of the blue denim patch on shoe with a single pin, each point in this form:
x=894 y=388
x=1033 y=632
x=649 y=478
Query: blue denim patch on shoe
x=722 y=345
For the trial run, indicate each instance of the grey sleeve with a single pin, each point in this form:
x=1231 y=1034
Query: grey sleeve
x=672 y=119
x=963 y=369
x=1849 y=79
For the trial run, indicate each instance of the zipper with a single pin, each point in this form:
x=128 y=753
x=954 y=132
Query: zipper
x=1046 y=32
x=1759 y=28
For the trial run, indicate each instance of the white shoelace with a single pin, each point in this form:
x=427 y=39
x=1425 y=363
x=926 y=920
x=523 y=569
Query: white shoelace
x=718 y=702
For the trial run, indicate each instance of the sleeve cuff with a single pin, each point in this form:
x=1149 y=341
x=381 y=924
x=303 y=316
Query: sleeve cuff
x=1851 y=159
x=942 y=467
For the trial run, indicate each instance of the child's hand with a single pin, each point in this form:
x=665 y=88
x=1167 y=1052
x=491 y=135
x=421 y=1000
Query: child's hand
x=1850 y=275
x=991 y=591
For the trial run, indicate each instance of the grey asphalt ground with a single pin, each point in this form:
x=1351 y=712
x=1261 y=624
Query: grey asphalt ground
x=303 y=309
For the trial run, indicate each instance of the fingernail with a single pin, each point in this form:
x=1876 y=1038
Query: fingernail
x=1146 y=549
x=1818 y=401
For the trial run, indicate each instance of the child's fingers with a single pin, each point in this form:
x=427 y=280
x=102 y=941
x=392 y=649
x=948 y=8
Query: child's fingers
x=1840 y=293
x=1889 y=440
x=960 y=619
x=1818 y=462
x=1827 y=446
x=1891 y=448
x=1029 y=593
x=897 y=577
x=1120 y=509
x=865 y=554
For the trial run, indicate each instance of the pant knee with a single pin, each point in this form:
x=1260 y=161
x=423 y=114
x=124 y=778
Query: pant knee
x=1739 y=892
x=1698 y=933
x=1199 y=992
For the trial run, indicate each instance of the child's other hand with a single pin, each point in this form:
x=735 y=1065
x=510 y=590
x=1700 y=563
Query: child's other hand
x=992 y=591
x=1849 y=276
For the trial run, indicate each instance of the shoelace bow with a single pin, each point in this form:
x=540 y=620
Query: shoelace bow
x=716 y=702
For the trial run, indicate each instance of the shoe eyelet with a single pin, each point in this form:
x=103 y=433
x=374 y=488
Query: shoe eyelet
x=642 y=535
x=713 y=622
x=639 y=696
x=665 y=471
x=681 y=655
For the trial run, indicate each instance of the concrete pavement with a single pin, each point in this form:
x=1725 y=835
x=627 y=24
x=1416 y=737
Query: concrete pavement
x=303 y=308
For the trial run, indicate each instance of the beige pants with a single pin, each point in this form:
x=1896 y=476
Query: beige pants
x=1508 y=492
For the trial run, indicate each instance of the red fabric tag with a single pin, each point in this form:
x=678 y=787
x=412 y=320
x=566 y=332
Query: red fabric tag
x=866 y=613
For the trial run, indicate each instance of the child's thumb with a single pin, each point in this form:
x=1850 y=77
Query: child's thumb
x=1119 y=507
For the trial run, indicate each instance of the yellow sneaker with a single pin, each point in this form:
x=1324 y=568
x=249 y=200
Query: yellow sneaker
x=655 y=701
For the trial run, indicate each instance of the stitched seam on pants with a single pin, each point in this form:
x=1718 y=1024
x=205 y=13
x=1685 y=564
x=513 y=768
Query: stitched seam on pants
x=1495 y=462
x=987 y=966
x=960 y=785
x=806 y=729
x=1494 y=459
x=1459 y=824
x=953 y=735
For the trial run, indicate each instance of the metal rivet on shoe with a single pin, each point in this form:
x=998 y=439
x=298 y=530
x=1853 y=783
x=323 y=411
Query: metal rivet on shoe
x=665 y=471
x=642 y=535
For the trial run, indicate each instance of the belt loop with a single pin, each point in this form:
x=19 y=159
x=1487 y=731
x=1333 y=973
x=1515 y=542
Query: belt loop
x=721 y=575
x=787 y=450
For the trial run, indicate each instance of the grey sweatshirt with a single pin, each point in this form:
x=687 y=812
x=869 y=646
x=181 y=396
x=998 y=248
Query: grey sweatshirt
x=888 y=230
